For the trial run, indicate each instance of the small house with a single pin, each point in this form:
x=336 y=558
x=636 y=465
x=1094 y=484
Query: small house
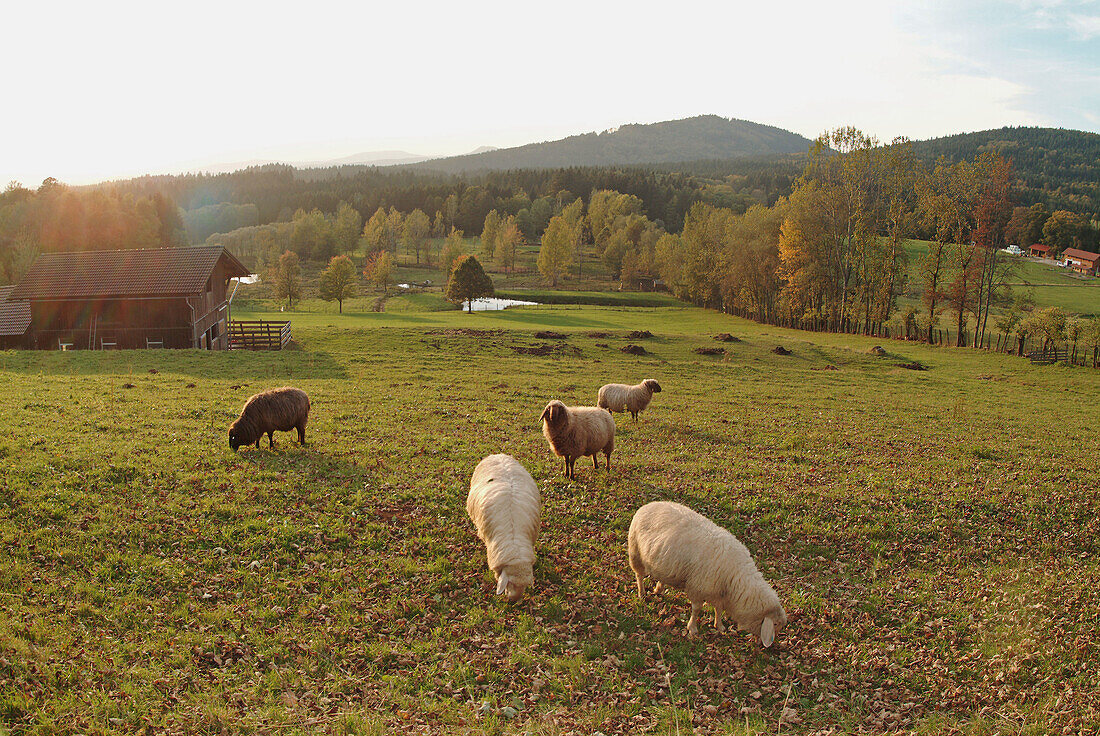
x=1081 y=261
x=162 y=298
x=15 y=318
x=1038 y=250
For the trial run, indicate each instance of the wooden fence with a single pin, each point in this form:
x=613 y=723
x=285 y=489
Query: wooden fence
x=258 y=335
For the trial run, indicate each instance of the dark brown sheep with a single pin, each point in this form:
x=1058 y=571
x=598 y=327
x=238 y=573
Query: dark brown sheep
x=281 y=409
x=576 y=431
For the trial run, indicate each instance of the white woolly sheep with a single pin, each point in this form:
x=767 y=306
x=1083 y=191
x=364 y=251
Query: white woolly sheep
x=634 y=399
x=506 y=508
x=577 y=431
x=683 y=549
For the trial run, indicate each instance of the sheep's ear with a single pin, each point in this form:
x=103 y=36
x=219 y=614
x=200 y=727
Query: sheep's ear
x=502 y=583
x=767 y=631
x=545 y=414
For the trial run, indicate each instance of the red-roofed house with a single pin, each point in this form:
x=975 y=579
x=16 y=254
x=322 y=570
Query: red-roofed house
x=163 y=297
x=1039 y=250
x=1081 y=261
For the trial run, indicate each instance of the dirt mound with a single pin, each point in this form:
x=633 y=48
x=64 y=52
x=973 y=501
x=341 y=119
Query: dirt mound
x=597 y=334
x=829 y=367
x=467 y=332
x=913 y=366
x=710 y=351
x=547 y=348
x=877 y=350
x=634 y=349
x=639 y=335
x=780 y=350
x=548 y=335
x=726 y=337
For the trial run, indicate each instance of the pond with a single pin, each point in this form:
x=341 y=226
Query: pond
x=492 y=303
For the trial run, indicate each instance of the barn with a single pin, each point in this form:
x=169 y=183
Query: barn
x=154 y=298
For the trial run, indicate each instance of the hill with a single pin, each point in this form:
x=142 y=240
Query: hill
x=702 y=137
x=1058 y=167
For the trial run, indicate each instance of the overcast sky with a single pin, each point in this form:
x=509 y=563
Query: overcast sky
x=114 y=89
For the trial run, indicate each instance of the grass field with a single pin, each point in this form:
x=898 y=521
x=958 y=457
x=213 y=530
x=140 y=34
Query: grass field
x=1049 y=286
x=933 y=535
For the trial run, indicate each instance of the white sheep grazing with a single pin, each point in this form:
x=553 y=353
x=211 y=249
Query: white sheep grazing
x=687 y=551
x=506 y=508
x=578 y=431
x=634 y=399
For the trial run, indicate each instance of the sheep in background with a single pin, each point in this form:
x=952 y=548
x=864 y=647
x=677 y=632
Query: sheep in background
x=634 y=399
x=687 y=551
x=281 y=409
x=577 y=431
x=506 y=508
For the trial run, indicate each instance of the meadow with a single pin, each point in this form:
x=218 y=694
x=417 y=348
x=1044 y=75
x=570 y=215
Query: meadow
x=932 y=533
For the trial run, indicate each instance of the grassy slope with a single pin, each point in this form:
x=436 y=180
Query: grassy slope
x=933 y=535
x=1050 y=286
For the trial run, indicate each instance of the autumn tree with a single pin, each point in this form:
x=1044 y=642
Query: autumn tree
x=468 y=281
x=556 y=251
x=346 y=228
x=338 y=281
x=379 y=269
x=415 y=233
x=1064 y=229
x=489 y=233
x=453 y=249
x=507 y=245
x=375 y=236
x=288 y=281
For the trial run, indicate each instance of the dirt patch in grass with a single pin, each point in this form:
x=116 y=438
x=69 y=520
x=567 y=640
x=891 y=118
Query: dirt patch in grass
x=911 y=366
x=597 y=334
x=710 y=351
x=550 y=335
x=634 y=349
x=547 y=348
x=726 y=337
x=639 y=335
x=466 y=332
x=780 y=350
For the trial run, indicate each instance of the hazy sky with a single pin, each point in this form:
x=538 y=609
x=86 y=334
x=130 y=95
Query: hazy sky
x=113 y=89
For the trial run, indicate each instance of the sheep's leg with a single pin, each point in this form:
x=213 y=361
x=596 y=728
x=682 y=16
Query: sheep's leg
x=596 y=460
x=658 y=587
x=607 y=455
x=693 y=622
x=271 y=439
x=641 y=590
x=718 y=621
x=302 y=435
x=258 y=441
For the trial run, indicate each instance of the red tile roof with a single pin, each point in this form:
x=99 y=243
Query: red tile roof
x=1040 y=247
x=15 y=317
x=124 y=273
x=1082 y=255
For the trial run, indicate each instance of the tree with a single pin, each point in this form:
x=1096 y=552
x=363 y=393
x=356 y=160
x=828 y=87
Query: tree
x=379 y=269
x=346 y=228
x=312 y=236
x=1063 y=230
x=508 y=241
x=338 y=280
x=453 y=249
x=288 y=278
x=375 y=234
x=556 y=251
x=489 y=233
x=468 y=281
x=415 y=233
